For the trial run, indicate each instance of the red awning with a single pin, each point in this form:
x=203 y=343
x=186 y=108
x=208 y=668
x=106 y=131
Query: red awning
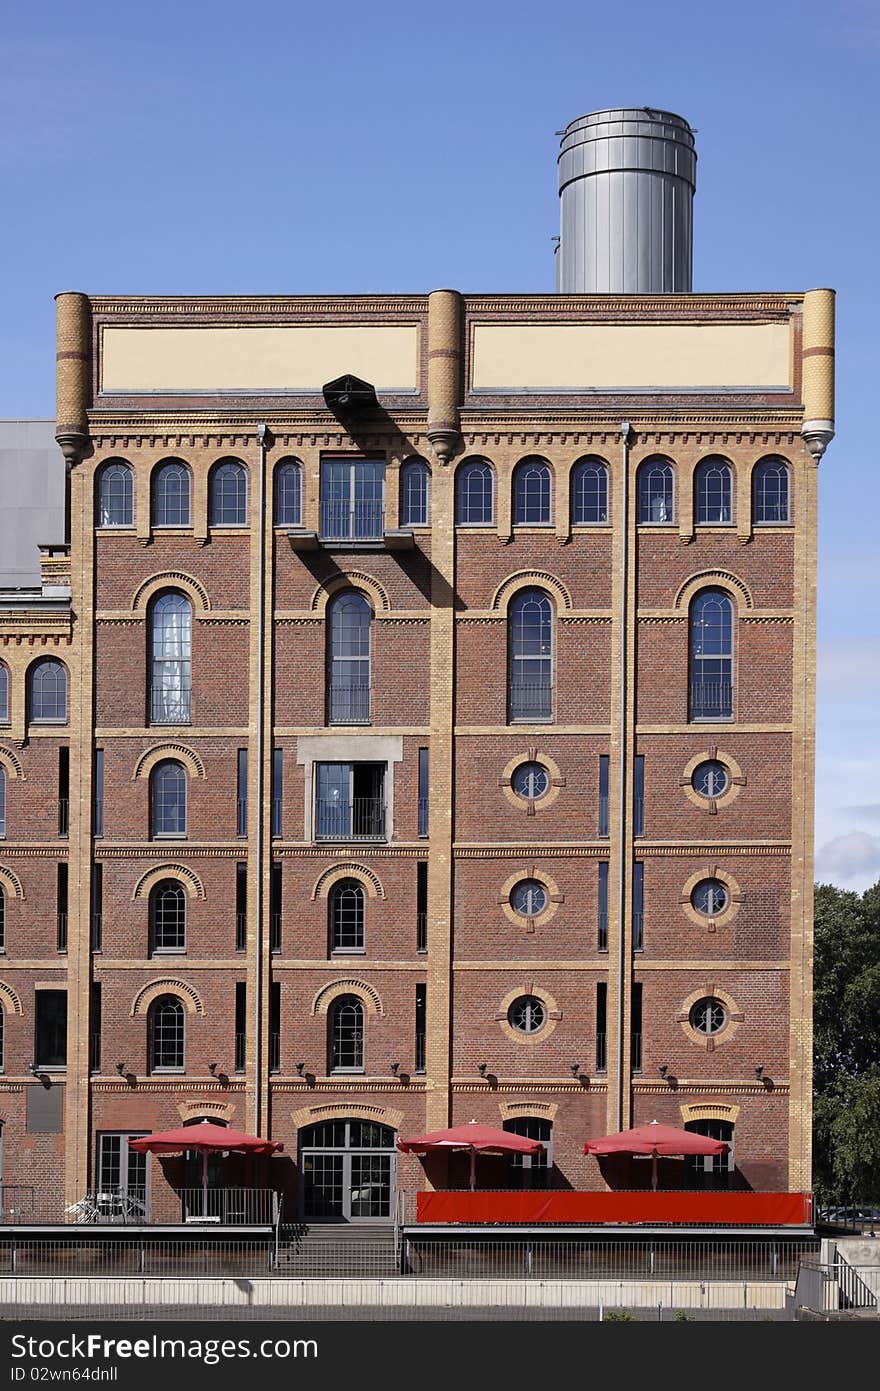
x=204 y=1137
x=656 y=1139
x=478 y=1139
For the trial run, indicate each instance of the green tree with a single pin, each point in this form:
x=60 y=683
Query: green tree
x=846 y=1130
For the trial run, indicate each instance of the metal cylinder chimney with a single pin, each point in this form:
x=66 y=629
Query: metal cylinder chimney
x=626 y=189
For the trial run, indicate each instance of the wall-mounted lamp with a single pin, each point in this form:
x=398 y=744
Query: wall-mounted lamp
x=212 y=1068
x=482 y=1068
x=759 y=1071
x=395 y=1068
x=663 y=1069
x=122 y=1069
x=575 y=1069
x=300 y=1068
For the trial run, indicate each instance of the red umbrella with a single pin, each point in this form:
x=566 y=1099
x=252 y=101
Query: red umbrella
x=656 y=1139
x=205 y=1138
x=473 y=1139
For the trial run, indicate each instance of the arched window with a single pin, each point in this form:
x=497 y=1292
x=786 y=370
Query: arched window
x=348 y=659
x=656 y=491
x=347 y=916
x=115 y=500
x=713 y=490
x=532 y=493
x=2 y=918
x=770 y=500
x=346 y=1030
x=288 y=493
x=4 y=694
x=2 y=1038
x=171 y=494
x=530 y=658
x=475 y=494
x=167 y=1032
x=415 y=484
x=589 y=493
x=530 y=1170
x=2 y=802
x=48 y=692
x=168 y=808
x=228 y=494
x=711 y=1170
x=711 y=652
x=170 y=659
x=168 y=917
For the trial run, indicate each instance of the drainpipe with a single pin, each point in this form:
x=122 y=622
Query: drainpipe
x=256 y=845
x=625 y=434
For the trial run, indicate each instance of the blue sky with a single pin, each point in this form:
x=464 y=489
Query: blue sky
x=274 y=147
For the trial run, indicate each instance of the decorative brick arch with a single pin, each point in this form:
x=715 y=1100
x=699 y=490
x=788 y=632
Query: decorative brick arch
x=354 y=579
x=11 y=762
x=10 y=881
x=187 y=994
x=367 y=877
x=346 y=1110
x=367 y=994
x=171 y=579
x=188 y=877
x=538 y=1110
x=532 y=579
x=179 y=752
x=10 y=999
x=709 y=1111
x=714 y=579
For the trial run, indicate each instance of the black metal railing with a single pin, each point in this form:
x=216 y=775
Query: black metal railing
x=109 y=1203
x=63 y=815
x=238 y=1060
x=530 y=702
x=61 y=932
x=277 y=815
x=423 y=817
x=635 y=1052
x=420 y=1051
x=349 y=704
x=98 y=826
x=421 y=932
x=275 y=1051
x=603 y=814
x=363 y=818
x=275 y=932
x=602 y=935
x=19 y=1203
x=638 y=816
x=229 y=1206
x=638 y=930
x=241 y=816
x=96 y=931
x=711 y=699
x=95 y=1055
x=601 y=1052
x=240 y=931
x=352 y=521
x=170 y=706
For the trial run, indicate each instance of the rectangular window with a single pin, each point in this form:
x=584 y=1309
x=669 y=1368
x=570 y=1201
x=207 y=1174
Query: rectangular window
x=98 y=794
x=240 y=1024
x=95 y=1028
x=424 y=770
x=638 y=906
x=63 y=791
x=635 y=1039
x=277 y=791
x=122 y=1177
x=241 y=806
x=601 y=1026
x=422 y=906
x=50 y=1031
x=61 y=907
x=602 y=934
x=240 y=907
x=275 y=907
x=97 y=906
x=349 y=801
x=421 y=1026
x=275 y=1026
x=352 y=499
x=604 y=765
x=639 y=795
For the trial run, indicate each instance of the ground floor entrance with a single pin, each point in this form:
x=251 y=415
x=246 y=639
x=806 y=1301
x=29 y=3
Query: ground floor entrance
x=347 y=1172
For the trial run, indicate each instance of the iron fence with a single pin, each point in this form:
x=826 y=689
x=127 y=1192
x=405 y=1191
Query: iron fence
x=349 y=704
x=170 y=706
x=363 y=818
x=530 y=702
x=352 y=521
x=711 y=699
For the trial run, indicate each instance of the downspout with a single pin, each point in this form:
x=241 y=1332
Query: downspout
x=257 y=843
x=625 y=433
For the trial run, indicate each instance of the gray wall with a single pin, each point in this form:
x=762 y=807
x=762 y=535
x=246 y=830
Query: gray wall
x=31 y=498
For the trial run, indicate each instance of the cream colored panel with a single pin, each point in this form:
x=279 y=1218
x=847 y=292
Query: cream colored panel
x=257 y=359
x=569 y=357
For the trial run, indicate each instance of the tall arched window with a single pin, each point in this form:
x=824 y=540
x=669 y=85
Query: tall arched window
x=4 y=694
x=347 y=916
x=589 y=493
x=656 y=503
x=48 y=692
x=530 y=1170
x=346 y=1035
x=2 y=1038
x=712 y=1170
x=228 y=494
x=2 y=802
x=170 y=659
x=711 y=654
x=115 y=500
x=348 y=659
x=168 y=917
x=288 y=493
x=770 y=500
x=168 y=802
x=167 y=1031
x=532 y=493
x=713 y=490
x=2 y=918
x=415 y=484
x=530 y=658
x=171 y=494
x=475 y=494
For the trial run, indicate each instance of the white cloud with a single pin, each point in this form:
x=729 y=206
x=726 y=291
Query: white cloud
x=851 y=861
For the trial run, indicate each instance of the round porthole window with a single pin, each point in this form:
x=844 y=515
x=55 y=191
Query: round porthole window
x=529 y=898
x=527 y=1014
x=710 y=898
x=710 y=779
x=708 y=1016
x=530 y=781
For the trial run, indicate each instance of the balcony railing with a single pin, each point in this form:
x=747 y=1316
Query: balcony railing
x=711 y=699
x=602 y=935
x=635 y=1052
x=238 y=1061
x=530 y=702
x=240 y=931
x=111 y=1204
x=352 y=521
x=274 y=1051
x=601 y=1052
x=423 y=817
x=421 y=932
x=170 y=706
x=61 y=932
x=95 y=1057
x=363 y=818
x=275 y=932
x=349 y=704
x=603 y=814
x=98 y=826
x=241 y=816
x=638 y=816
x=97 y=927
x=63 y=816
x=638 y=931
x=420 y=1051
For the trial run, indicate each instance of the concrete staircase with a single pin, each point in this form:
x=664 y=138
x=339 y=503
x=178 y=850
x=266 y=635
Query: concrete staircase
x=343 y=1250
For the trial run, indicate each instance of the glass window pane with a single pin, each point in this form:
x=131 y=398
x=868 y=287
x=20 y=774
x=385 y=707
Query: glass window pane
x=711 y=644
x=347 y=1035
x=167 y=1034
x=115 y=495
x=347 y=916
x=288 y=493
x=530 y=640
x=169 y=799
x=4 y=695
x=532 y=493
x=475 y=494
x=171 y=495
x=229 y=494
x=171 y=659
x=353 y=499
x=770 y=491
x=350 y=618
x=48 y=687
x=589 y=493
x=169 y=917
x=414 y=485
x=713 y=484
x=655 y=492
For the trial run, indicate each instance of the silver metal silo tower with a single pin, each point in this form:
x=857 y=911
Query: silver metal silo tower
x=626 y=190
